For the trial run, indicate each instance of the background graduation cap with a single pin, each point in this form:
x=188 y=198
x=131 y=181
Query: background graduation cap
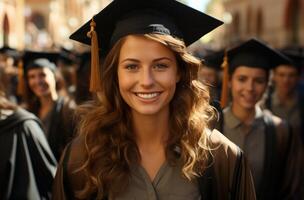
x=252 y=53
x=296 y=55
x=214 y=59
x=124 y=17
x=10 y=52
x=66 y=57
x=45 y=59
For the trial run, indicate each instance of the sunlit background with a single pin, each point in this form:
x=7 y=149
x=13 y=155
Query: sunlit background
x=47 y=24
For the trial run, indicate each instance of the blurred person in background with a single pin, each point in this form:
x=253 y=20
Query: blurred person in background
x=42 y=97
x=210 y=73
x=285 y=100
x=274 y=152
x=83 y=72
x=9 y=61
x=67 y=64
x=27 y=164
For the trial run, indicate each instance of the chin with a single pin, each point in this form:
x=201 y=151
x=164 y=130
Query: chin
x=248 y=106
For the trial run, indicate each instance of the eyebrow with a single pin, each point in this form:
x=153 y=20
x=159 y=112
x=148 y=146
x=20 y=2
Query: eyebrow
x=155 y=60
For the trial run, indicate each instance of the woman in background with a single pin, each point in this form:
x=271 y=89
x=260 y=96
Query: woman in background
x=45 y=101
x=27 y=164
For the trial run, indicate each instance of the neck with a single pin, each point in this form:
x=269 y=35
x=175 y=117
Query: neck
x=285 y=96
x=245 y=115
x=151 y=131
x=48 y=100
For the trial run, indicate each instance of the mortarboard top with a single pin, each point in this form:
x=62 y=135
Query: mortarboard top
x=214 y=59
x=66 y=56
x=124 y=17
x=11 y=52
x=256 y=54
x=35 y=59
x=296 y=55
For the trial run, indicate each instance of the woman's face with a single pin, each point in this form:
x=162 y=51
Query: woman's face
x=247 y=86
x=147 y=75
x=41 y=81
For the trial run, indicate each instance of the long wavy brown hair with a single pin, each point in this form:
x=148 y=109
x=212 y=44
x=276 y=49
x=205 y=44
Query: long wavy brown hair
x=106 y=125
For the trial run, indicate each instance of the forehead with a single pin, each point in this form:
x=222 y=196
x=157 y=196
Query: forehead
x=285 y=68
x=39 y=70
x=250 y=71
x=139 y=45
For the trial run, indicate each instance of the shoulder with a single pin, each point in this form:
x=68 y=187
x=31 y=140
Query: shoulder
x=69 y=176
x=281 y=126
x=220 y=142
x=74 y=153
x=229 y=170
x=222 y=149
x=23 y=118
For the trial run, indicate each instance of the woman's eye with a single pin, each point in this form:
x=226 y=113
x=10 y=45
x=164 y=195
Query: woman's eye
x=131 y=66
x=241 y=79
x=260 y=81
x=161 y=66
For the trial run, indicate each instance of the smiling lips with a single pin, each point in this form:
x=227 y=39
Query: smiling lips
x=148 y=96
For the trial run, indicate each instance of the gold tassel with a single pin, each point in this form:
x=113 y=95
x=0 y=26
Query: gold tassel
x=95 y=82
x=225 y=91
x=21 y=82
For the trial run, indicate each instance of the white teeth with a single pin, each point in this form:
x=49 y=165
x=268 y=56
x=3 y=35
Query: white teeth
x=147 y=95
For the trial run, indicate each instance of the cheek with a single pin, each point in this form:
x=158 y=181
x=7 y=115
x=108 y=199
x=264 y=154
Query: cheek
x=261 y=89
x=234 y=87
x=124 y=84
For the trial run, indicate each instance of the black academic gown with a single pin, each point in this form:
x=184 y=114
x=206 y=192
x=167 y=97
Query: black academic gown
x=227 y=178
x=283 y=161
x=27 y=165
x=61 y=129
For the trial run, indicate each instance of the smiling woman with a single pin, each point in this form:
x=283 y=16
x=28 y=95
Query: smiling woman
x=146 y=134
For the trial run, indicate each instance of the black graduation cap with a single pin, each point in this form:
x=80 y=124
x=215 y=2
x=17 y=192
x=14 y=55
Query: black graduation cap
x=254 y=53
x=66 y=56
x=123 y=17
x=296 y=55
x=11 y=52
x=214 y=59
x=36 y=59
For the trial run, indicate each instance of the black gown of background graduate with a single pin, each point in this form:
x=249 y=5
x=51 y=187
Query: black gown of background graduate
x=27 y=165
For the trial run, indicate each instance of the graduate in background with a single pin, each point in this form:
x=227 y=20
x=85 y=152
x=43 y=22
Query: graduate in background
x=83 y=73
x=272 y=150
x=9 y=59
x=43 y=98
x=285 y=100
x=27 y=164
x=146 y=134
x=210 y=73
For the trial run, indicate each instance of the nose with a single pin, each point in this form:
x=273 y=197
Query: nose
x=249 y=85
x=146 y=77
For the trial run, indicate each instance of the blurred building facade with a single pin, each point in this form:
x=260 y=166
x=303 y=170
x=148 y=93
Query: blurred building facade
x=278 y=22
x=12 y=23
x=44 y=24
